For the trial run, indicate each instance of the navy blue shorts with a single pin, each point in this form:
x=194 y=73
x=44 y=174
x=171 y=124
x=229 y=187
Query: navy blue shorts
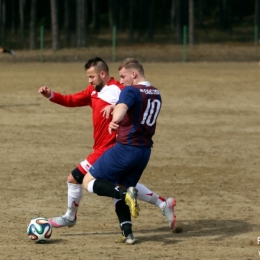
x=121 y=164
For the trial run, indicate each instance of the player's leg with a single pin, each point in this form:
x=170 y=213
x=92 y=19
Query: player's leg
x=124 y=217
x=69 y=219
x=165 y=205
x=74 y=183
x=112 y=167
x=106 y=173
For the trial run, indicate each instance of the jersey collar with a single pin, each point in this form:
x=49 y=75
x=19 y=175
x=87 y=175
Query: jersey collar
x=145 y=83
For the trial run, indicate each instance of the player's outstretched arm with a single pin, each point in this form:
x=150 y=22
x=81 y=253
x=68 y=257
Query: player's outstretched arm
x=45 y=91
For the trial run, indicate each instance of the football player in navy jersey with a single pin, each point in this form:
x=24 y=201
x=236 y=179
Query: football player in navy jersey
x=116 y=173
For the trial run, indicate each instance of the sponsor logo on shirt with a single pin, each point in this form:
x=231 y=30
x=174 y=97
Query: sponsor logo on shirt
x=150 y=91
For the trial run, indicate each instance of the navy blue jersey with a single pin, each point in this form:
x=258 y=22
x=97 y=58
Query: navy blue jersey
x=144 y=104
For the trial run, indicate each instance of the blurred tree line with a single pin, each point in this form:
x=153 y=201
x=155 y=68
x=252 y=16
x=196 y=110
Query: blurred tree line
x=82 y=23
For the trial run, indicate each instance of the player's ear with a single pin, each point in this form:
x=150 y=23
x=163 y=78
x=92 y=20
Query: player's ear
x=102 y=74
x=134 y=74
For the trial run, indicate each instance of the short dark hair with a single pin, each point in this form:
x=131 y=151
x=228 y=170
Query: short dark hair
x=97 y=63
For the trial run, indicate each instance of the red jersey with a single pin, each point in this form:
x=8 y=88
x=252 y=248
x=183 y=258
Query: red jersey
x=108 y=95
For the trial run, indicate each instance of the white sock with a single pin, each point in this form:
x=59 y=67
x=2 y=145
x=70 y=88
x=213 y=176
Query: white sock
x=74 y=198
x=115 y=201
x=90 y=186
x=149 y=196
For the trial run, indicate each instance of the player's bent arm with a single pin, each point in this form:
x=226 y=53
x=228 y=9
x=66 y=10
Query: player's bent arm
x=119 y=112
x=118 y=115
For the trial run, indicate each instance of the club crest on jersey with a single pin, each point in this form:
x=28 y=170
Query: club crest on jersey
x=93 y=92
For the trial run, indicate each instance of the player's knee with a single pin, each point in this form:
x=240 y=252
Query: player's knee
x=85 y=185
x=76 y=176
x=70 y=179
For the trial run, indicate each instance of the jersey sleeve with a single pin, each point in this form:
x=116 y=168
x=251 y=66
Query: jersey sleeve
x=79 y=99
x=127 y=96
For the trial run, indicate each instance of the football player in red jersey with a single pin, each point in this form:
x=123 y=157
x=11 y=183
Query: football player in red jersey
x=101 y=95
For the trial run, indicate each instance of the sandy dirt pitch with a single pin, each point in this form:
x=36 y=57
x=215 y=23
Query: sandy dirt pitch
x=206 y=155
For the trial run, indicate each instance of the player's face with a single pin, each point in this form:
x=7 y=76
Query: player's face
x=95 y=78
x=126 y=77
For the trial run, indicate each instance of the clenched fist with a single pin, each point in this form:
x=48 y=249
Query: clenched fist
x=45 y=91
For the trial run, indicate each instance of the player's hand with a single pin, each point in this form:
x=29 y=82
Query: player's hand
x=112 y=127
x=45 y=91
x=107 y=111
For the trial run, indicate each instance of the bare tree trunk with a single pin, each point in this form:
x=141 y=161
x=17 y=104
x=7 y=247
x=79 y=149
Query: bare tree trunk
x=131 y=26
x=201 y=13
x=141 y=20
x=122 y=15
x=13 y=17
x=1 y=13
x=225 y=15
x=67 y=22
x=80 y=24
x=178 y=29
x=95 y=16
x=78 y=28
x=172 y=14
x=257 y=14
x=33 y=25
x=21 y=11
x=85 y=23
x=3 y=33
x=191 y=22
x=151 y=20
x=112 y=13
x=54 y=25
